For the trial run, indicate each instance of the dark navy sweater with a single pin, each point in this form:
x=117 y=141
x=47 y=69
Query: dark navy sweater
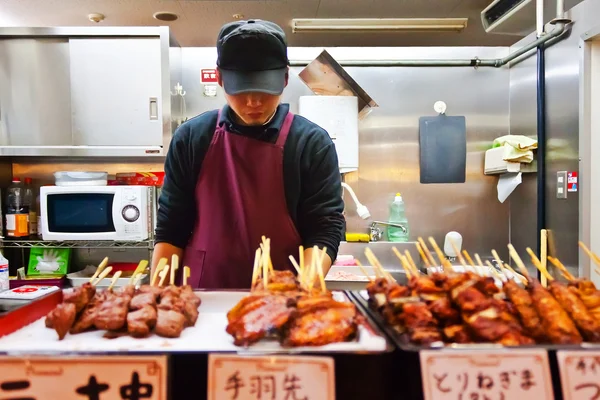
x=310 y=169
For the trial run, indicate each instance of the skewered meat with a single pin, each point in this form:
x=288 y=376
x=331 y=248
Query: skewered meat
x=141 y=321
x=141 y=300
x=80 y=296
x=320 y=321
x=112 y=313
x=257 y=317
x=587 y=324
x=457 y=334
x=557 y=324
x=529 y=317
x=279 y=281
x=128 y=290
x=589 y=295
x=420 y=324
x=443 y=311
x=169 y=323
x=155 y=290
x=61 y=318
x=87 y=317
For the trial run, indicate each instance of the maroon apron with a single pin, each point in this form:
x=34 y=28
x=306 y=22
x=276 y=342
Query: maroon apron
x=240 y=196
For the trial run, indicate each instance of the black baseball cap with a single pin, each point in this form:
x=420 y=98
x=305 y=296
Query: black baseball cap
x=252 y=57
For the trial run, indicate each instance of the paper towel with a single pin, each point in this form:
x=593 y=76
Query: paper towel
x=507 y=183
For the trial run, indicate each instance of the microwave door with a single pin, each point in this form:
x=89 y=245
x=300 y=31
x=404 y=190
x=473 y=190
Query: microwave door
x=85 y=216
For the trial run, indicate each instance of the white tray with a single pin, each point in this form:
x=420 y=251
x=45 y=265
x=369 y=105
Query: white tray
x=83 y=276
x=206 y=336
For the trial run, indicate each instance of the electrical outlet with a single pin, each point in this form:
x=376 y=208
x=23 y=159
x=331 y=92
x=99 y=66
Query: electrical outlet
x=561 y=185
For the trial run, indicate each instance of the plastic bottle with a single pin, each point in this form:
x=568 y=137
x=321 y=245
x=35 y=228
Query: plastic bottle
x=398 y=216
x=30 y=204
x=4 y=283
x=17 y=214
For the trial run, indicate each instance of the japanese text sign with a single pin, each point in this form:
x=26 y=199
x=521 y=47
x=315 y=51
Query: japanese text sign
x=489 y=375
x=208 y=76
x=234 y=377
x=579 y=374
x=85 y=378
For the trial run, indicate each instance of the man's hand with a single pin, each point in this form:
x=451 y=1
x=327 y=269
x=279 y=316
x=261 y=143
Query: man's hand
x=164 y=250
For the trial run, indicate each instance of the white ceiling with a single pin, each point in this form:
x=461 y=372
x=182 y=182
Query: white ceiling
x=200 y=20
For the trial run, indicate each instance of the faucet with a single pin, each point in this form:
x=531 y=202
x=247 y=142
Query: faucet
x=361 y=210
x=377 y=233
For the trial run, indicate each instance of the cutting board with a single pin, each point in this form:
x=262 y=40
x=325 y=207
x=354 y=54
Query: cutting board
x=443 y=149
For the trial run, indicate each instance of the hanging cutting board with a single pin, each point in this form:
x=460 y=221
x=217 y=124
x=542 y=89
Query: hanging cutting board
x=443 y=149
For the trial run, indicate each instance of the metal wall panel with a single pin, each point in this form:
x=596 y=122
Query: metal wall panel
x=389 y=151
x=562 y=131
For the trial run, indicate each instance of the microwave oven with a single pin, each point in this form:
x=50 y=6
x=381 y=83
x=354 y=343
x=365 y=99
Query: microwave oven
x=121 y=213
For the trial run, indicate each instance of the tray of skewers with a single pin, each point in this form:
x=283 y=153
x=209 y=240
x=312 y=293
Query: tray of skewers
x=463 y=310
x=283 y=313
x=295 y=312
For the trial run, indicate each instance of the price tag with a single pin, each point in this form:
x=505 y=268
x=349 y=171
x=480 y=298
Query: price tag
x=104 y=377
x=270 y=377
x=579 y=374
x=493 y=375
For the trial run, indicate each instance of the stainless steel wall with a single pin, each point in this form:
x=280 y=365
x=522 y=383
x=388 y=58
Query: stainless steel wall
x=389 y=151
x=562 y=130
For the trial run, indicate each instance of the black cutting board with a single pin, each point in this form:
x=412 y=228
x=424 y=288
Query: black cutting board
x=443 y=149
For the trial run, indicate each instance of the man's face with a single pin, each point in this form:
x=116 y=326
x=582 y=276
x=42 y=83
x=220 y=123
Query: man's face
x=253 y=108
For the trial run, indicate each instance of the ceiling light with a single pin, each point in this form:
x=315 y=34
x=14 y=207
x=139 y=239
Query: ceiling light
x=379 y=24
x=165 y=16
x=96 y=17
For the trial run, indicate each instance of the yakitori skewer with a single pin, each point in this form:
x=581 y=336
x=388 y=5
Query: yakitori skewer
x=159 y=267
x=163 y=275
x=102 y=275
x=186 y=275
x=139 y=270
x=114 y=279
x=174 y=268
x=443 y=261
x=413 y=266
x=423 y=256
x=100 y=268
x=427 y=252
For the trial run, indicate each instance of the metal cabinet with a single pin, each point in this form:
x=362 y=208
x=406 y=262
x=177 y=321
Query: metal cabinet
x=87 y=91
x=116 y=91
x=35 y=103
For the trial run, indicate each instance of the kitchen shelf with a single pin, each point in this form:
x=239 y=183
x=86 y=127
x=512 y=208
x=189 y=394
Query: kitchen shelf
x=75 y=244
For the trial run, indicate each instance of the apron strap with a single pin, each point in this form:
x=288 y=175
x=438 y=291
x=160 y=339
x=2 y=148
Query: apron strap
x=285 y=129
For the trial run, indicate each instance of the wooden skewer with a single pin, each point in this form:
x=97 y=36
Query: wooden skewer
x=539 y=265
x=265 y=267
x=301 y=256
x=497 y=258
x=461 y=259
x=406 y=266
x=479 y=262
x=101 y=266
x=494 y=272
x=468 y=258
x=114 y=279
x=589 y=253
x=362 y=269
x=102 y=275
x=423 y=256
x=159 y=267
x=544 y=255
x=137 y=279
x=163 y=275
x=320 y=270
x=174 y=268
x=255 y=268
x=515 y=256
x=562 y=268
x=140 y=268
x=443 y=262
x=186 y=274
x=295 y=264
x=373 y=259
x=514 y=273
x=411 y=262
x=427 y=252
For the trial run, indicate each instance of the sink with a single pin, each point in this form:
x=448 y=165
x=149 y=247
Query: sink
x=385 y=255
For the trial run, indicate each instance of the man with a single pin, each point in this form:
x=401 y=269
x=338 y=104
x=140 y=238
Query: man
x=248 y=170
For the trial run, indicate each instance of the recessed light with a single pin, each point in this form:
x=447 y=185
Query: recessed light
x=165 y=16
x=96 y=17
x=238 y=16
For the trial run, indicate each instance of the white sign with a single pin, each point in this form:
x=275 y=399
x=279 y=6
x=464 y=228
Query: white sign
x=579 y=374
x=82 y=377
x=489 y=375
x=270 y=377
